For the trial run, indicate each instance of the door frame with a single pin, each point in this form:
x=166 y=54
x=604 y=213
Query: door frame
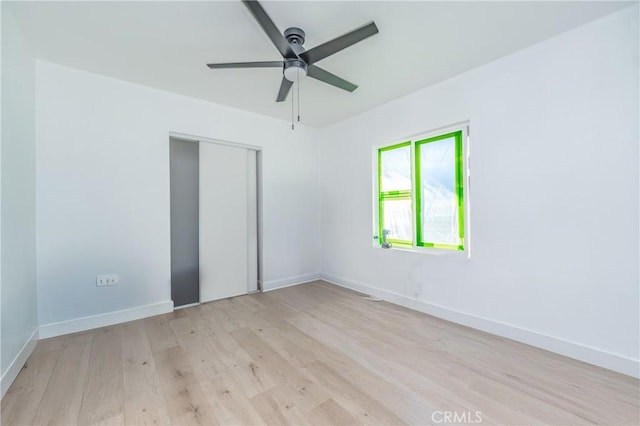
x=258 y=151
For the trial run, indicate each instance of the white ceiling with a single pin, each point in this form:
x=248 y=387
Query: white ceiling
x=167 y=44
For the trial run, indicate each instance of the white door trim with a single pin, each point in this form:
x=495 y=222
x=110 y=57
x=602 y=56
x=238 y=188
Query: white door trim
x=193 y=138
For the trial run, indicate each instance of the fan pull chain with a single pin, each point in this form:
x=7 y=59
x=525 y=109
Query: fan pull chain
x=298 y=84
x=292 y=110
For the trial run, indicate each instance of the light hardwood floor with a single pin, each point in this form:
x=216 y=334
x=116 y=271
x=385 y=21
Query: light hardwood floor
x=310 y=354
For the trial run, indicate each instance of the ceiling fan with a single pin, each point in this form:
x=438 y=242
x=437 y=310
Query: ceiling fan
x=298 y=62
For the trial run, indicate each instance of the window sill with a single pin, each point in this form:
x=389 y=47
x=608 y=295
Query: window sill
x=426 y=250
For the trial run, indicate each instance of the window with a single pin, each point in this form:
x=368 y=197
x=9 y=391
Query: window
x=395 y=193
x=421 y=193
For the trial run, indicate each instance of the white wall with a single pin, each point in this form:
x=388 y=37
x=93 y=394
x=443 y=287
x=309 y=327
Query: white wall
x=103 y=190
x=18 y=278
x=554 y=197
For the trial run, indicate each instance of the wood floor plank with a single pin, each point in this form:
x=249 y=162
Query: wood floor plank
x=144 y=402
x=389 y=367
x=231 y=405
x=406 y=403
x=515 y=374
x=185 y=400
x=21 y=401
x=309 y=354
x=19 y=407
x=331 y=413
x=160 y=333
x=103 y=390
x=37 y=370
x=226 y=351
x=304 y=391
x=357 y=401
x=198 y=347
x=295 y=355
x=231 y=314
x=436 y=385
x=252 y=302
x=277 y=407
x=62 y=399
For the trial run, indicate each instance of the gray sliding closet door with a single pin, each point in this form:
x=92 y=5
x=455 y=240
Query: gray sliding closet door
x=185 y=199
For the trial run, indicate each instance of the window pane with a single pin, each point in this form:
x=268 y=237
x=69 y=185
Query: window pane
x=396 y=169
x=397 y=219
x=438 y=199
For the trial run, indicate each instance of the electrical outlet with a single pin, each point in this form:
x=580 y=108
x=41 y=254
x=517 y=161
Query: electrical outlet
x=107 y=280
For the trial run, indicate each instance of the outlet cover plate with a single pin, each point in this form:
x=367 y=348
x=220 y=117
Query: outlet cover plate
x=107 y=280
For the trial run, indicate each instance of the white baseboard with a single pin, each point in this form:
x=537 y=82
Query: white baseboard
x=291 y=281
x=611 y=361
x=18 y=362
x=103 y=320
x=190 y=305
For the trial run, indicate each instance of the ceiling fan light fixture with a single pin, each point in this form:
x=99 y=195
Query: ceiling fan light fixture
x=295 y=70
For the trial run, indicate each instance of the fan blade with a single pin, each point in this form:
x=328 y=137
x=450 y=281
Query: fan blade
x=337 y=44
x=268 y=64
x=270 y=28
x=332 y=79
x=285 y=86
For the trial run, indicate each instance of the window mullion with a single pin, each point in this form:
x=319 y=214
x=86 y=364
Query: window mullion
x=414 y=204
x=418 y=194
